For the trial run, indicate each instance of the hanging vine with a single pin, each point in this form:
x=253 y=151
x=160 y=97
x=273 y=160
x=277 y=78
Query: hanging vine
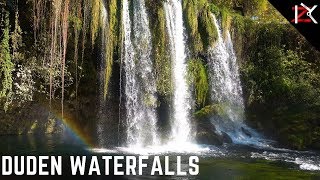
x=112 y=33
x=65 y=26
x=39 y=14
x=82 y=15
x=53 y=49
x=95 y=13
x=6 y=65
x=85 y=22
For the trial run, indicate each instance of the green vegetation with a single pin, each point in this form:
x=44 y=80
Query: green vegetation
x=160 y=48
x=255 y=7
x=200 y=26
x=95 y=19
x=6 y=65
x=279 y=71
x=113 y=40
x=208 y=30
x=197 y=75
x=281 y=83
x=191 y=11
x=211 y=110
x=245 y=7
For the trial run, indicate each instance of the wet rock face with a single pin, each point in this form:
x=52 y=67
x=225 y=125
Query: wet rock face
x=246 y=132
x=206 y=130
x=213 y=138
x=226 y=138
x=207 y=134
x=208 y=138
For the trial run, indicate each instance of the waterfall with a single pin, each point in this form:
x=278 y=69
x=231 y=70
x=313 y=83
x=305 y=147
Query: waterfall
x=140 y=83
x=101 y=129
x=226 y=90
x=181 y=127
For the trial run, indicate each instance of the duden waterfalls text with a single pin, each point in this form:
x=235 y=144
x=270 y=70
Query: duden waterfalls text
x=99 y=165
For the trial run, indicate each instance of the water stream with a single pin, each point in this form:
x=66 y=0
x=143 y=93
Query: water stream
x=140 y=103
x=101 y=128
x=140 y=86
x=226 y=91
x=181 y=126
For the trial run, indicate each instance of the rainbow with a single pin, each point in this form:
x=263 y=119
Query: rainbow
x=77 y=131
x=71 y=122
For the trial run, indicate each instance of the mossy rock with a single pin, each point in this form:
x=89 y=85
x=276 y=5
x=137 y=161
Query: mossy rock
x=200 y=26
x=210 y=110
x=114 y=41
x=161 y=52
x=150 y=100
x=207 y=134
x=208 y=31
x=198 y=78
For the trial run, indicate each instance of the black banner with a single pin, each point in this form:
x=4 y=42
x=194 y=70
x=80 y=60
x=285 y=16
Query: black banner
x=303 y=15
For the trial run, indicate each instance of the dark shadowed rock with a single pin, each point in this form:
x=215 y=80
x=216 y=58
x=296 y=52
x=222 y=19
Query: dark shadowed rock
x=208 y=138
x=207 y=133
x=226 y=138
x=246 y=132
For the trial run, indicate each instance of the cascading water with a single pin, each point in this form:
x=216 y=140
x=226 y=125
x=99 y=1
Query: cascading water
x=181 y=127
x=101 y=130
x=140 y=83
x=226 y=90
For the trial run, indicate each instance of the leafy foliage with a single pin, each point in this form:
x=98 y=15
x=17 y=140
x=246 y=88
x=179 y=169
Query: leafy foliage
x=6 y=65
x=280 y=80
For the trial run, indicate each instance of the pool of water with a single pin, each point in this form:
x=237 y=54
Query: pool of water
x=226 y=162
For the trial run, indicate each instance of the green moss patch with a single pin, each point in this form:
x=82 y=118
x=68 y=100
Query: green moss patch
x=198 y=77
x=200 y=26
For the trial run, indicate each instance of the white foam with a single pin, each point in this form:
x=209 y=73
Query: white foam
x=102 y=150
x=309 y=167
x=187 y=148
x=140 y=83
x=305 y=163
